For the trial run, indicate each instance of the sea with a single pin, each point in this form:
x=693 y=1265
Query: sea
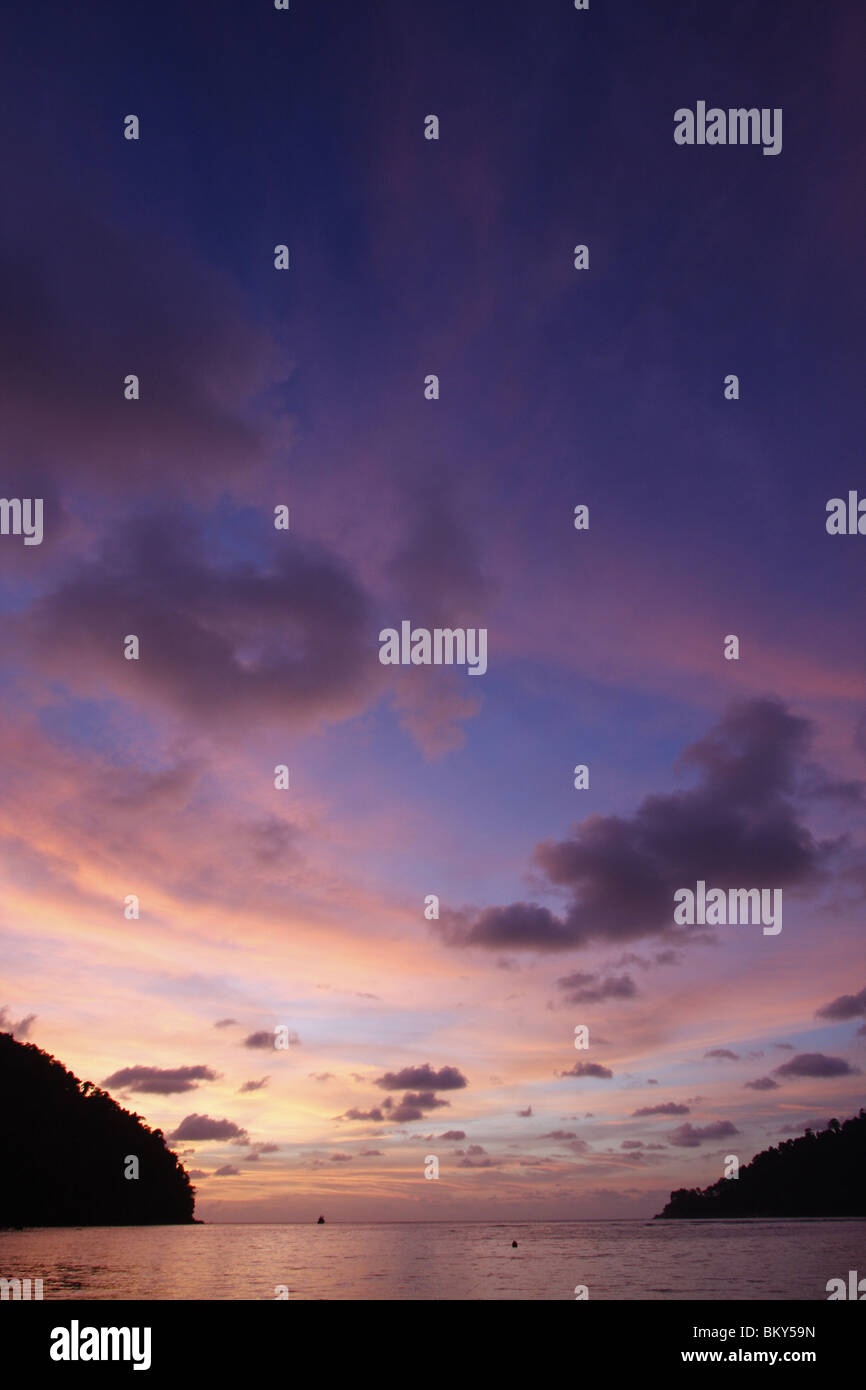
x=629 y=1259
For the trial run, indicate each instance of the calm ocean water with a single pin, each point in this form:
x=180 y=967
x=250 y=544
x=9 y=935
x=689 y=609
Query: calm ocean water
x=430 y=1260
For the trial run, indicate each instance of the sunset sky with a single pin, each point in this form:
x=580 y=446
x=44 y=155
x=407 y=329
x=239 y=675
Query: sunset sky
x=305 y=907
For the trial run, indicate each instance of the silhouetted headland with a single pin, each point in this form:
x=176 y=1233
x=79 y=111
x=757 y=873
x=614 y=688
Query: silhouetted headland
x=64 y=1148
x=822 y=1174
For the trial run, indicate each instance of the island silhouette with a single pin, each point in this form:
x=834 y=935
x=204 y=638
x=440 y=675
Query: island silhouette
x=65 y=1146
x=818 y=1175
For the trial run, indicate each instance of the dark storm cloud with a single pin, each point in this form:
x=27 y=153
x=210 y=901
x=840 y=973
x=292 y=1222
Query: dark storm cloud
x=815 y=1064
x=587 y=1069
x=738 y=825
x=445 y=1079
x=160 y=1081
x=848 y=793
x=263 y=1039
x=150 y=308
x=689 y=1136
x=289 y=638
x=668 y=1107
x=520 y=926
x=583 y=988
x=844 y=1007
x=762 y=1083
x=437 y=568
x=202 y=1127
x=414 y=1105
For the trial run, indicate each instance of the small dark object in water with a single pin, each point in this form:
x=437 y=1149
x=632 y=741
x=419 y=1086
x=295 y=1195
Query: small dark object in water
x=321 y=1221
x=514 y=1245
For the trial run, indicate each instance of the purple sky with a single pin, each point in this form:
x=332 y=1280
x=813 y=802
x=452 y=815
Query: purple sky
x=305 y=908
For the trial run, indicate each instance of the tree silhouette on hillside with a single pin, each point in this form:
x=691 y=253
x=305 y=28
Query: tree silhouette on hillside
x=819 y=1175
x=64 y=1145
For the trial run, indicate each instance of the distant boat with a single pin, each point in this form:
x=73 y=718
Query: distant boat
x=321 y=1221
